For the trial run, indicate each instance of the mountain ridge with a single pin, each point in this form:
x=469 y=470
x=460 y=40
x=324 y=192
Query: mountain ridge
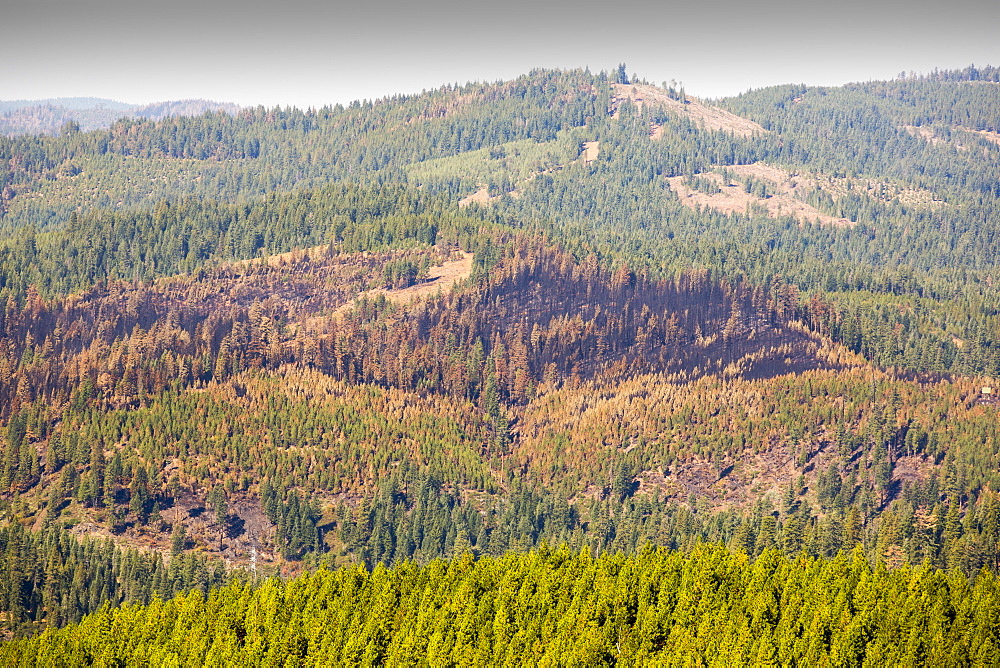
x=51 y=116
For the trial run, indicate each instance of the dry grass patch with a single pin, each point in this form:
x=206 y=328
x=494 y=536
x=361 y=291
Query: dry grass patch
x=439 y=279
x=707 y=117
x=481 y=197
x=993 y=137
x=934 y=137
x=788 y=190
x=733 y=198
x=923 y=132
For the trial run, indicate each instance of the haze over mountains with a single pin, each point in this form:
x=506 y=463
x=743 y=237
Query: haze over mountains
x=89 y=113
x=569 y=308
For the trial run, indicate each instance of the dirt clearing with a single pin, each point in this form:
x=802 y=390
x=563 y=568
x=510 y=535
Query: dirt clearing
x=709 y=118
x=993 y=137
x=733 y=198
x=481 y=197
x=776 y=192
x=439 y=279
x=935 y=135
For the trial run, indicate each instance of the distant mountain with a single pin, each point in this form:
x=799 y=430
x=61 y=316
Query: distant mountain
x=19 y=117
x=76 y=103
x=161 y=110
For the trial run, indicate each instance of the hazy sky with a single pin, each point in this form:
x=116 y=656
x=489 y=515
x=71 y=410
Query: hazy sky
x=310 y=53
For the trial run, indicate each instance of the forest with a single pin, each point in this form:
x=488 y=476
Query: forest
x=496 y=337
x=709 y=607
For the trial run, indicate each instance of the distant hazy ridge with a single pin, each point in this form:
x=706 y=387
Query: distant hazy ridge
x=48 y=116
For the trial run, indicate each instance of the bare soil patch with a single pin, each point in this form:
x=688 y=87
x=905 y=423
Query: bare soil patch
x=481 y=197
x=932 y=135
x=775 y=175
x=787 y=193
x=733 y=198
x=591 y=149
x=911 y=468
x=993 y=137
x=246 y=529
x=439 y=279
x=738 y=482
x=708 y=117
x=798 y=184
x=923 y=132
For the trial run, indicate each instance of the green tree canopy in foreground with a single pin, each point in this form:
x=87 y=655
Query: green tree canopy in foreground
x=710 y=607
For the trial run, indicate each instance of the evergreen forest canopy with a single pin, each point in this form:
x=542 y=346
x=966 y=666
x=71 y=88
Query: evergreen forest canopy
x=571 y=309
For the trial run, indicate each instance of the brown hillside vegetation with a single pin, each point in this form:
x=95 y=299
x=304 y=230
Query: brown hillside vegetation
x=542 y=370
x=438 y=279
x=712 y=443
x=536 y=315
x=129 y=339
x=346 y=437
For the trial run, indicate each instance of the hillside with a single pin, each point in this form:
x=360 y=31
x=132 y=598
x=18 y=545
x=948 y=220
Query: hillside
x=565 y=309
